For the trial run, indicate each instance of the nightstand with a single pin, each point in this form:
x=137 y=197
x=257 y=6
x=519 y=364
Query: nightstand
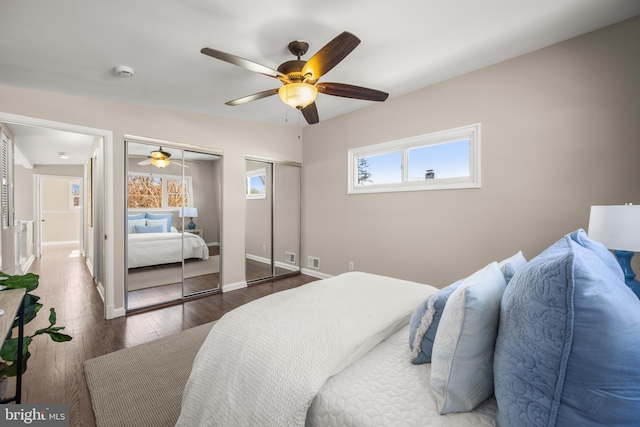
x=197 y=231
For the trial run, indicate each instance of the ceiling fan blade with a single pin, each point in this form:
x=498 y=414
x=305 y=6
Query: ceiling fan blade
x=145 y=162
x=351 y=91
x=310 y=113
x=180 y=164
x=244 y=63
x=330 y=55
x=253 y=97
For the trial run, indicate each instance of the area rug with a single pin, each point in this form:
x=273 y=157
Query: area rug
x=142 y=385
x=172 y=273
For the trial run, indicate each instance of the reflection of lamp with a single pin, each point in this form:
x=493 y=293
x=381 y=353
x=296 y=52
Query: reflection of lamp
x=160 y=158
x=189 y=212
x=618 y=228
x=298 y=95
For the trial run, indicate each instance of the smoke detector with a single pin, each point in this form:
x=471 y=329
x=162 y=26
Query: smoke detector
x=123 y=70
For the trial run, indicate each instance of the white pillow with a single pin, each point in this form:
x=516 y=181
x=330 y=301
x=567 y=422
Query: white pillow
x=131 y=223
x=462 y=360
x=156 y=222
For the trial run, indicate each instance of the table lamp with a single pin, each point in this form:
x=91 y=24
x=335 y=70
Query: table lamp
x=618 y=228
x=191 y=213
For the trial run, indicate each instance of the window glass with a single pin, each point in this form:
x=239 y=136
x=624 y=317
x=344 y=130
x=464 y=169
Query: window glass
x=380 y=169
x=439 y=161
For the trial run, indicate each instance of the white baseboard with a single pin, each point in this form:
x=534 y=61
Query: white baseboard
x=89 y=264
x=281 y=264
x=234 y=286
x=68 y=242
x=25 y=264
x=315 y=273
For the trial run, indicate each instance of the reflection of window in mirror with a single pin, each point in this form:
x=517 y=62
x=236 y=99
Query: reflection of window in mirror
x=157 y=192
x=74 y=195
x=256 y=184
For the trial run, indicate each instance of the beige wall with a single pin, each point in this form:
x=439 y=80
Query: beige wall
x=237 y=138
x=61 y=223
x=560 y=132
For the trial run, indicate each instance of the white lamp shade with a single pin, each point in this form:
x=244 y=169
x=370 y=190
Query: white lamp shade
x=298 y=95
x=616 y=227
x=188 y=212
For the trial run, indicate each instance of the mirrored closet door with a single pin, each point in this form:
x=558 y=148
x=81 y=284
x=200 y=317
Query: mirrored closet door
x=272 y=239
x=172 y=223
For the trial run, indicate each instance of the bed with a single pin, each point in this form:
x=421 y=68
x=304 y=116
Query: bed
x=148 y=249
x=517 y=343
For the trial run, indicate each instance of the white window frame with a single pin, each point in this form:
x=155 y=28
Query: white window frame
x=470 y=132
x=165 y=195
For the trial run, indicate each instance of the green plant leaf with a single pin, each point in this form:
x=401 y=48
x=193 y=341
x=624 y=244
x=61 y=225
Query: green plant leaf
x=58 y=337
x=11 y=370
x=28 y=281
x=52 y=316
x=9 y=350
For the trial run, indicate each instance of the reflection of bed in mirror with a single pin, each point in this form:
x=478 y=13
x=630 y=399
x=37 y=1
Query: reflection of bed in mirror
x=148 y=249
x=155 y=259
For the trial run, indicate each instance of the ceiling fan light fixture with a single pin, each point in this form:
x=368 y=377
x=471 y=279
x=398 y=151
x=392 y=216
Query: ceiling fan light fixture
x=161 y=163
x=159 y=154
x=298 y=95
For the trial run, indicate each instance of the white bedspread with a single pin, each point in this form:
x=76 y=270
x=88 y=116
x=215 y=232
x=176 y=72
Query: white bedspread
x=145 y=249
x=263 y=363
x=384 y=389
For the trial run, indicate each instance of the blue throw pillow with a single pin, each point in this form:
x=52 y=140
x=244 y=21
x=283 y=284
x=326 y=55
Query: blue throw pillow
x=567 y=346
x=138 y=216
x=511 y=265
x=148 y=229
x=424 y=323
x=168 y=217
x=131 y=223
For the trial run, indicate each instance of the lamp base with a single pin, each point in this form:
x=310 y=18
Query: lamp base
x=192 y=225
x=624 y=258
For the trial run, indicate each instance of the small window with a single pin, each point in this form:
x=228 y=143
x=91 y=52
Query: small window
x=441 y=160
x=74 y=195
x=256 y=187
x=158 y=192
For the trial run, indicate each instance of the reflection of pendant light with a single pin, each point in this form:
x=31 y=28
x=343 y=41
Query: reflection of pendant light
x=161 y=163
x=298 y=95
x=160 y=158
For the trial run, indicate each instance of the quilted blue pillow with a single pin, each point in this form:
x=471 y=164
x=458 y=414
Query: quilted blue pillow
x=139 y=229
x=167 y=217
x=424 y=323
x=567 y=346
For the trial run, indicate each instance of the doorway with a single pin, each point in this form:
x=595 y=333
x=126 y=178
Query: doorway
x=102 y=188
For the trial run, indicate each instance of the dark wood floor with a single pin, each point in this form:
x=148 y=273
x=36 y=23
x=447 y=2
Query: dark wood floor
x=55 y=370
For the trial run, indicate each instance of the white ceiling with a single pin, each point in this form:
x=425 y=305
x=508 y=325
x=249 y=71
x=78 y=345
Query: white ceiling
x=72 y=46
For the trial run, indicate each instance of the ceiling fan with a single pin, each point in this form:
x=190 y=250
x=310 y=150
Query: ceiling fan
x=300 y=78
x=159 y=158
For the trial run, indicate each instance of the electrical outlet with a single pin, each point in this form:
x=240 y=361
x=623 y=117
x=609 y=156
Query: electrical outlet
x=350 y=265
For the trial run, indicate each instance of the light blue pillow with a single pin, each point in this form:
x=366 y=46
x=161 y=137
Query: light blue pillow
x=167 y=217
x=137 y=216
x=462 y=361
x=424 y=323
x=511 y=265
x=148 y=229
x=567 y=346
x=155 y=222
x=131 y=223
